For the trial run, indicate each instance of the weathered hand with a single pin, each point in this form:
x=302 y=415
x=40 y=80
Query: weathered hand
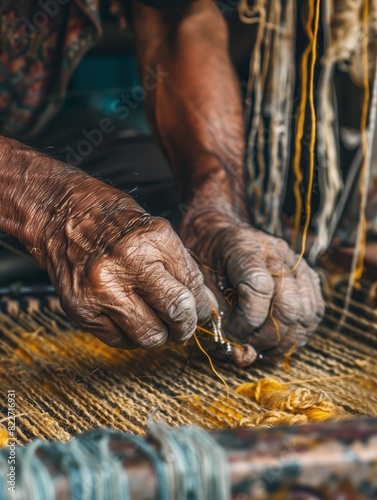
x=120 y=273
x=275 y=308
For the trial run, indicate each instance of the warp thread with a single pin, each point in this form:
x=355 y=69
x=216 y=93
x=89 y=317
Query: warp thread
x=329 y=169
x=197 y=466
x=268 y=106
x=95 y=398
x=188 y=464
x=367 y=138
x=347 y=36
x=350 y=37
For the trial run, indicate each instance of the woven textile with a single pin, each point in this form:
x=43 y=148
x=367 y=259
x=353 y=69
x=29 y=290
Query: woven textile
x=66 y=381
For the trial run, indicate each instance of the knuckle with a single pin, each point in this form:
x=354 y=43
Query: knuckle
x=289 y=306
x=256 y=319
x=99 y=273
x=151 y=337
x=289 y=313
x=304 y=273
x=194 y=279
x=276 y=248
x=261 y=282
x=75 y=309
x=181 y=307
x=162 y=227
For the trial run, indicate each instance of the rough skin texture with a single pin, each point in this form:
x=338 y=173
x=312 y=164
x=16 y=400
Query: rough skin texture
x=127 y=277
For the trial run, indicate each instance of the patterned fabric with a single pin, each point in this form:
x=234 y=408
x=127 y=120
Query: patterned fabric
x=41 y=43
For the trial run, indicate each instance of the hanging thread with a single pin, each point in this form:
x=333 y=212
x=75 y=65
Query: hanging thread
x=211 y=364
x=197 y=467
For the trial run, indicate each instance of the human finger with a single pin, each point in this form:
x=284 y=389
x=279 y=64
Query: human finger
x=285 y=311
x=137 y=320
x=186 y=271
x=255 y=287
x=172 y=301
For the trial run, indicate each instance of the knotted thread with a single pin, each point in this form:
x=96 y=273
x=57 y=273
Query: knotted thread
x=301 y=403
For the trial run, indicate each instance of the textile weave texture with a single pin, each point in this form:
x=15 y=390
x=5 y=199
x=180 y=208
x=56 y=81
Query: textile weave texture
x=66 y=381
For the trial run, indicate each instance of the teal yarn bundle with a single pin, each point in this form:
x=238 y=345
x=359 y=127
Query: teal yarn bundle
x=196 y=464
x=187 y=465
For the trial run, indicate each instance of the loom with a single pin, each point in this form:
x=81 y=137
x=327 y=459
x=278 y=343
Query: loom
x=67 y=382
x=95 y=422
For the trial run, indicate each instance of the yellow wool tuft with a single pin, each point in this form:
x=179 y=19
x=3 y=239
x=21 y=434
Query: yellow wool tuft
x=320 y=414
x=263 y=386
x=4 y=437
x=291 y=405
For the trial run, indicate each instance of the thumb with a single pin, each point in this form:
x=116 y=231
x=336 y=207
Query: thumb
x=255 y=286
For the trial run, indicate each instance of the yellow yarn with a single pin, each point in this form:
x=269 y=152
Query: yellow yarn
x=4 y=437
x=313 y=35
x=320 y=414
x=272 y=394
x=275 y=418
x=301 y=120
x=360 y=252
x=211 y=364
x=307 y=94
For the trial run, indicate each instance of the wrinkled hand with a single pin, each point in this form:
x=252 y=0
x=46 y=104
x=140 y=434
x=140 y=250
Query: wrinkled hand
x=275 y=309
x=121 y=274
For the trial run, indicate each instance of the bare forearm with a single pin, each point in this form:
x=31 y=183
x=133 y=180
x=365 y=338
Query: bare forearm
x=30 y=183
x=196 y=112
x=196 y=108
x=119 y=273
x=37 y=192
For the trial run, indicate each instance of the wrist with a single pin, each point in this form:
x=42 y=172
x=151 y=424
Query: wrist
x=219 y=194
